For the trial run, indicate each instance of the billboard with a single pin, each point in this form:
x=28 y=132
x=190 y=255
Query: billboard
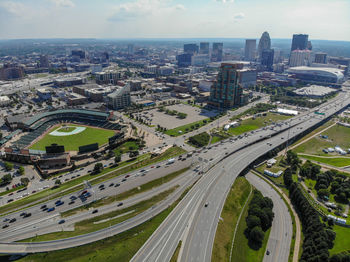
x=88 y=148
x=54 y=149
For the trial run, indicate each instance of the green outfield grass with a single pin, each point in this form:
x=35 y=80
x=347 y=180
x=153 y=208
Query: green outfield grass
x=342 y=240
x=72 y=142
x=332 y=161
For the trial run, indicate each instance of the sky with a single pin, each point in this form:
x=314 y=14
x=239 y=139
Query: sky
x=320 y=19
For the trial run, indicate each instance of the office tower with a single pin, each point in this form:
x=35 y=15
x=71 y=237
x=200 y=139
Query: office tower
x=44 y=61
x=216 y=54
x=250 y=49
x=226 y=90
x=120 y=98
x=264 y=43
x=184 y=60
x=321 y=58
x=299 y=42
x=300 y=58
x=204 y=48
x=130 y=49
x=79 y=53
x=267 y=58
x=191 y=48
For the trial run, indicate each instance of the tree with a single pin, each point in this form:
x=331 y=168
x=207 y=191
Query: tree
x=24 y=181
x=117 y=158
x=322 y=193
x=8 y=166
x=58 y=182
x=98 y=168
x=256 y=236
x=253 y=221
x=21 y=170
x=6 y=179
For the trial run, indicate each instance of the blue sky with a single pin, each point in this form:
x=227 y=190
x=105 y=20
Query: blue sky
x=321 y=19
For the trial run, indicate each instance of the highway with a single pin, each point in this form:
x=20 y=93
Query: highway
x=282 y=228
x=190 y=220
x=195 y=224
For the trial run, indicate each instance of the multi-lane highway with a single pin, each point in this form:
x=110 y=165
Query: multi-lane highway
x=191 y=221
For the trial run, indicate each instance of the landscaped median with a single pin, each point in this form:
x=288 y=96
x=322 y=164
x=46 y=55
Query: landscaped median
x=234 y=203
x=76 y=184
x=331 y=161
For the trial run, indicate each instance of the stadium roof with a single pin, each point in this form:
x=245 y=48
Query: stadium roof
x=33 y=119
x=325 y=71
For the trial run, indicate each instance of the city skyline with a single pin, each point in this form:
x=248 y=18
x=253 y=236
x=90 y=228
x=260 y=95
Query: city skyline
x=173 y=19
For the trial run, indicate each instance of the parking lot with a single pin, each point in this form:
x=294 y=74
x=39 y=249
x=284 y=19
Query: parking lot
x=193 y=114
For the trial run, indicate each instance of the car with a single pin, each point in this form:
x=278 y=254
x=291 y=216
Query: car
x=158 y=166
x=11 y=194
x=88 y=194
x=58 y=201
x=111 y=184
x=120 y=204
x=6 y=219
x=128 y=175
x=10 y=200
x=71 y=202
x=61 y=221
x=267 y=252
x=95 y=211
x=22 y=214
x=34 y=191
x=85 y=191
x=152 y=166
x=27 y=215
x=43 y=206
x=5 y=226
x=73 y=197
x=44 y=209
x=50 y=209
x=206 y=204
x=116 y=185
x=12 y=220
x=124 y=179
x=100 y=186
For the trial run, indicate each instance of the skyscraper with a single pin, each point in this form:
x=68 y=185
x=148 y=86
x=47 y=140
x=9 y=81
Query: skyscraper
x=204 y=48
x=299 y=42
x=267 y=58
x=44 y=61
x=321 y=58
x=226 y=91
x=130 y=49
x=250 y=49
x=190 y=48
x=216 y=54
x=264 y=43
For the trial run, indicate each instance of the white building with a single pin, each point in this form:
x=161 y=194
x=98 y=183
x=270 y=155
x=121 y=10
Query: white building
x=230 y=125
x=300 y=58
x=120 y=98
x=4 y=100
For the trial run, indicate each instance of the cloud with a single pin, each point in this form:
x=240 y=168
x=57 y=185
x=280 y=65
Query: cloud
x=142 y=8
x=13 y=8
x=238 y=16
x=225 y=1
x=63 y=3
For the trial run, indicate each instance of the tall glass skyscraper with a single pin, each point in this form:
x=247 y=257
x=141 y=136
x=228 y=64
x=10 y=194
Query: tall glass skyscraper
x=299 y=42
x=226 y=91
x=264 y=43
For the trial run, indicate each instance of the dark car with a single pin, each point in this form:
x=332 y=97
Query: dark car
x=73 y=197
x=88 y=194
x=71 y=203
x=27 y=215
x=111 y=184
x=116 y=185
x=23 y=214
x=50 y=209
x=6 y=219
x=61 y=221
x=120 y=204
x=267 y=252
x=10 y=200
x=95 y=211
x=60 y=203
x=43 y=206
x=12 y=220
x=100 y=186
x=44 y=209
x=124 y=179
x=5 y=226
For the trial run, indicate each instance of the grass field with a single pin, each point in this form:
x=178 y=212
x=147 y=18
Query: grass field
x=337 y=136
x=241 y=250
x=72 y=142
x=342 y=240
x=332 y=161
x=121 y=247
x=252 y=124
x=126 y=147
x=180 y=130
x=234 y=203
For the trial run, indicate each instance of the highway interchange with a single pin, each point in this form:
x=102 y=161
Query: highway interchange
x=190 y=221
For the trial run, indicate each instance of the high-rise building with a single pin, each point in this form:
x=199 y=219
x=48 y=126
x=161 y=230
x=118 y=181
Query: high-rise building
x=264 y=43
x=120 y=98
x=184 y=60
x=204 y=48
x=216 y=54
x=250 y=49
x=299 y=42
x=267 y=59
x=300 y=58
x=44 y=61
x=309 y=45
x=226 y=90
x=321 y=58
x=130 y=49
x=191 y=48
